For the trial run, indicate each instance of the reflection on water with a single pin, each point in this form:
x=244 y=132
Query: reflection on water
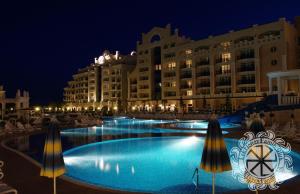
x=111 y=129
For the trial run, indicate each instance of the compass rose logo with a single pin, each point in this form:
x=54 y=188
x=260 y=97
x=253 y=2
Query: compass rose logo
x=261 y=160
x=258 y=159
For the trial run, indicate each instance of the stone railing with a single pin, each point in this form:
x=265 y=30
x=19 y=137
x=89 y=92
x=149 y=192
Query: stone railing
x=290 y=100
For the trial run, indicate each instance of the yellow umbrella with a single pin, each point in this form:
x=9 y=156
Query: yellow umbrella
x=215 y=157
x=53 y=163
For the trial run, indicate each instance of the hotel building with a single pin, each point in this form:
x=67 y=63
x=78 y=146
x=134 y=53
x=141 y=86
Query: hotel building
x=170 y=71
x=173 y=71
x=101 y=84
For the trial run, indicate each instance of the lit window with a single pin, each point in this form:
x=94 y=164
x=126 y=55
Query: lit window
x=226 y=57
x=225 y=69
x=188 y=63
x=174 y=84
x=189 y=92
x=157 y=67
x=188 y=52
x=172 y=65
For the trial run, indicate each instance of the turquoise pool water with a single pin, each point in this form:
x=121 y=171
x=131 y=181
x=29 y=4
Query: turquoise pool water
x=203 y=125
x=163 y=165
x=123 y=125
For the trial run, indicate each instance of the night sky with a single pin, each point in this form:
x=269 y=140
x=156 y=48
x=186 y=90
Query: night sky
x=44 y=43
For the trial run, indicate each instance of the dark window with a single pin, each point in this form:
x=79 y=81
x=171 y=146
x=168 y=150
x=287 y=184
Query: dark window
x=273 y=49
x=274 y=62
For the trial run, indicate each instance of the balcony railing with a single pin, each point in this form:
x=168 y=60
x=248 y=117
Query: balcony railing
x=246 y=68
x=186 y=75
x=203 y=73
x=218 y=72
x=245 y=56
x=202 y=63
x=185 y=86
x=170 y=74
x=222 y=60
x=203 y=85
x=224 y=83
x=246 y=81
x=185 y=66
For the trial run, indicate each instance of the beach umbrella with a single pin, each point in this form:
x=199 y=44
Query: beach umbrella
x=215 y=158
x=53 y=163
x=256 y=127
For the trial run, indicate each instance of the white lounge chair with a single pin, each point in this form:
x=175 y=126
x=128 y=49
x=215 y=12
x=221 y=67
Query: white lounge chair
x=20 y=127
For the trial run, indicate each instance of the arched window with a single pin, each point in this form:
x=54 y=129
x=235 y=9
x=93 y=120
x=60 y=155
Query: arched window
x=155 y=38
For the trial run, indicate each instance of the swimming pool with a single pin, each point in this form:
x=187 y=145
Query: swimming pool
x=123 y=125
x=162 y=164
x=199 y=124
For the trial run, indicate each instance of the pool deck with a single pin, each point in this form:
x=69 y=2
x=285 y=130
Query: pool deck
x=23 y=175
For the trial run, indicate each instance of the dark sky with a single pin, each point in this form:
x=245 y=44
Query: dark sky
x=42 y=43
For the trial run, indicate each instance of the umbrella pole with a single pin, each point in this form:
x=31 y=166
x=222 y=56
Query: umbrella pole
x=54 y=185
x=256 y=191
x=213 y=183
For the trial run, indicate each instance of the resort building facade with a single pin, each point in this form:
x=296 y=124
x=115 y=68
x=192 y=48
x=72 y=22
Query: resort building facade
x=101 y=84
x=172 y=72
x=14 y=107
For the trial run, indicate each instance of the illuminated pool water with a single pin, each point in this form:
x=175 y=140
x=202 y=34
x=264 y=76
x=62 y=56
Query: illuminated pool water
x=203 y=125
x=123 y=125
x=150 y=165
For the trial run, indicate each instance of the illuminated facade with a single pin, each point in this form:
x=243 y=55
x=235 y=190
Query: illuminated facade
x=102 y=83
x=174 y=72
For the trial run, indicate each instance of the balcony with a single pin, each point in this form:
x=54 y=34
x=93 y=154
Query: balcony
x=246 y=81
x=185 y=86
x=246 y=56
x=224 y=83
x=133 y=82
x=185 y=66
x=246 y=68
x=202 y=63
x=170 y=74
x=144 y=69
x=203 y=85
x=222 y=72
x=203 y=73
x=186 y=76
x=170 y=94
x=222 y=60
